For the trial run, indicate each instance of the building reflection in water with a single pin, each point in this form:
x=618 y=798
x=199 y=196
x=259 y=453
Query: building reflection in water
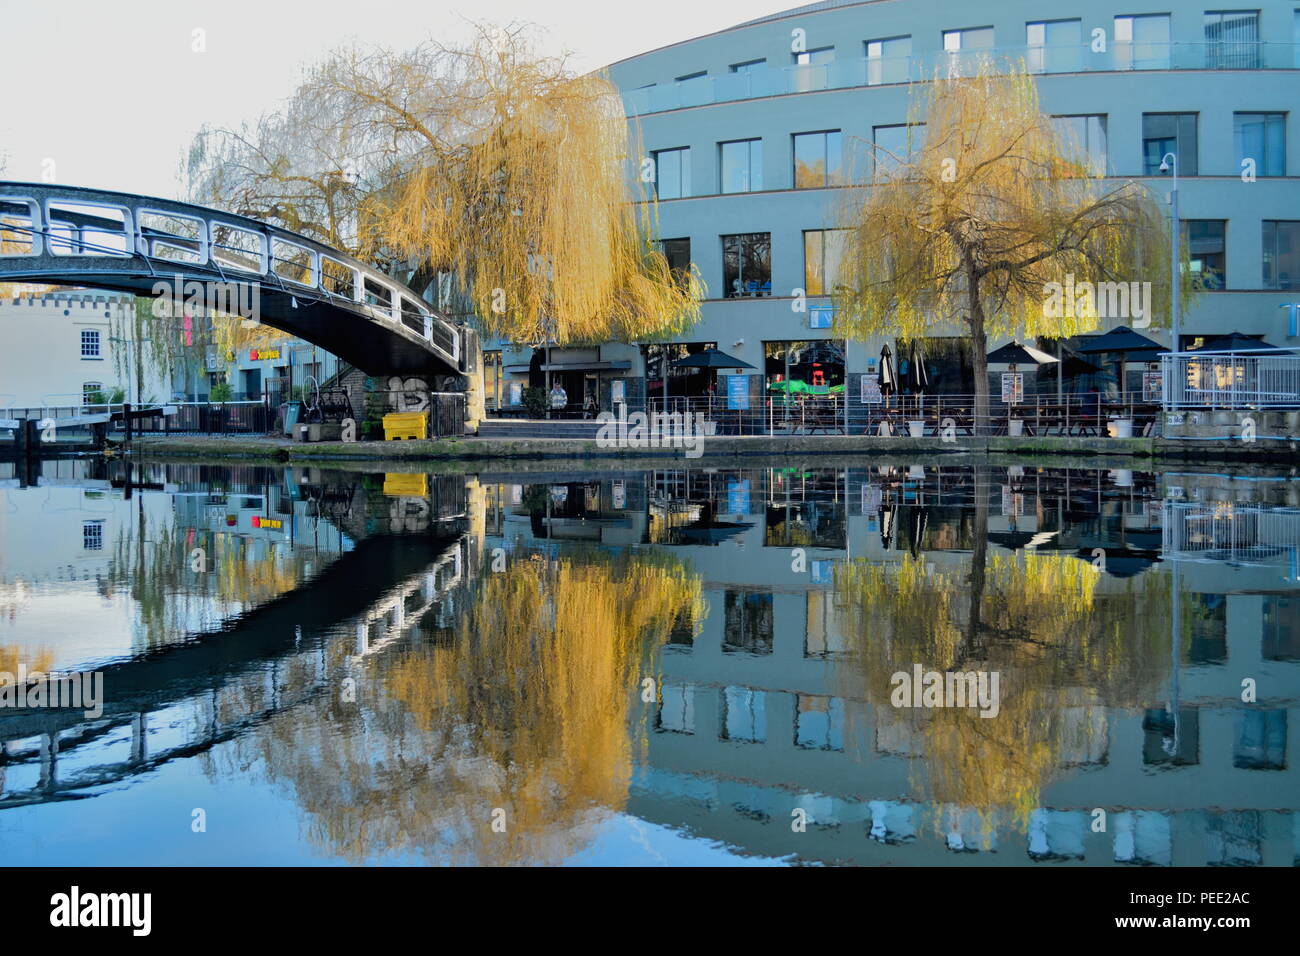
x=414 y=657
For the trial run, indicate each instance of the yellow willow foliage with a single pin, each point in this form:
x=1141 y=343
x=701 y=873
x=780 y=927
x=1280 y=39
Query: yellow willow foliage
x=528 y=710
x=512 y=174
x=247 y=579
x=1061 y=649
x=990 y=206
x=11 y=655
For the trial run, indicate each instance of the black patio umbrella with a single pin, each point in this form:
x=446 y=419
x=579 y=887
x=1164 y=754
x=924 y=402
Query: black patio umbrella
x=1013 y=353
x=1121 y=339
x=711 y=358
x=888 y=378
x=917 y=379
x=1129 y=345
x=710 y=532
x=1238 y=342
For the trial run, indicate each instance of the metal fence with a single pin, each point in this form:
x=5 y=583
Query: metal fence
x=1089 y=414
x=1260 y=379
x=1224 y=531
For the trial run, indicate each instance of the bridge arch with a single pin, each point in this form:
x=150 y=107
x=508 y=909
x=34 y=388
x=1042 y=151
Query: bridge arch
x=68 y=235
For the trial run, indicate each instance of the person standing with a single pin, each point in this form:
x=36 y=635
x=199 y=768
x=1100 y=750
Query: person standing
x=559 y=400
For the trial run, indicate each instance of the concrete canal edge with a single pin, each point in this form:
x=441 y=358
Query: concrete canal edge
x=791 y=446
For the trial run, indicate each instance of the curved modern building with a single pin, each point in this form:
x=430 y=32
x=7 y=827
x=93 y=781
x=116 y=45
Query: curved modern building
x=755 y=132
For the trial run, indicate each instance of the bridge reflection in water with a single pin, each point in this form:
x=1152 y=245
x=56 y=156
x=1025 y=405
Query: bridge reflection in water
x=670 y=663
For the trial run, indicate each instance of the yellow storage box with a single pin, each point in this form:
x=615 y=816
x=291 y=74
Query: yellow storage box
x=406 y=425
x=401 y=485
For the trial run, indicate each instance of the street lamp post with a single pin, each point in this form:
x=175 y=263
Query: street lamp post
x=1170 y=162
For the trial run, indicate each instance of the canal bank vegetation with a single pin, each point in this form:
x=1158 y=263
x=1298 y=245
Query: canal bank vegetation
x=989 y=208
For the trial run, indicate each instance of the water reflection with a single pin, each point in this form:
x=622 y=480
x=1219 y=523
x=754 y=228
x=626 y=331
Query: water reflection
x=656 y=666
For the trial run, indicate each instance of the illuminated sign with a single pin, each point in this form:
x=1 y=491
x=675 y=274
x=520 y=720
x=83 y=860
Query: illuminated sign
x=263 y=355
x=259 y=522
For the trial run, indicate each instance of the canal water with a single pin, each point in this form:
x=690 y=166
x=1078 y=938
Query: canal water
x=859 y=662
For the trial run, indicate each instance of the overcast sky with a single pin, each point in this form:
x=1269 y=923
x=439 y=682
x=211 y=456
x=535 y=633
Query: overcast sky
x=110 y=92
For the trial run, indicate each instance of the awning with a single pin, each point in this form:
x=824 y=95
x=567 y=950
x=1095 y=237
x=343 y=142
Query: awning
x=620 y=366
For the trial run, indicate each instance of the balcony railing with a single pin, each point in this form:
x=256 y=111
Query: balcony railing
x=879 y=71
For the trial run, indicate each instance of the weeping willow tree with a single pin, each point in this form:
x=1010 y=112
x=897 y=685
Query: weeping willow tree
x=491 y=171
x=1063 y=649
x=523 y=705
x=990 y=206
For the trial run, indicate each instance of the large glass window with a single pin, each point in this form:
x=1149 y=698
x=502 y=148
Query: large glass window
x=1142 y=43
x=749 y=625
x=1232 y=40
x=1206 y=243
x=894 y=145
x=1261 y=137
x=678 y=254
x=741 y=165
x=889 y=60
x=822 y=251
x=817 y=57
x=818 y=159
x=1087 y=136
x=673 y=173
x=747 y=264
x=1164 y=133
x=965 y=48
x=1055 y=46
x=743 y=714
x=1281 y=254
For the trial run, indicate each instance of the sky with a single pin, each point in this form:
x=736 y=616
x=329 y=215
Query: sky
x=109 y=94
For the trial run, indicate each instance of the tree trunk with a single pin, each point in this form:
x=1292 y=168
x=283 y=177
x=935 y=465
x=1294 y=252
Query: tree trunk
x=979 y=354
x=975 y=648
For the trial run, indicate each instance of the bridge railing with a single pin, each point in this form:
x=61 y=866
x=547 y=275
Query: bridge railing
x=39 y=220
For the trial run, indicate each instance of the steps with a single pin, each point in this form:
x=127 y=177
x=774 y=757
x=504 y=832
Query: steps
x=532 y=428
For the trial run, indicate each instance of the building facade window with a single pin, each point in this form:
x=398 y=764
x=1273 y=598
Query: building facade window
x=1207 y=247
x=747 y=265
x=1055 y=46
x=1232 y=40
x=1087 y=136
x=894 y=145
x=673 y=173
x=676 y=708
x=678 y=254
x=1169 y=133
x=821 y=55
x=1142 y=43
x=90 y=344
x=92 y=393
x=692 y=76
x=889 y=60
x=744 y=715
x=966 y=48
x=1261 y=137
x=822 y=251
x=92 y=535
x=740 y=165
x=818 y=160
x=748 y=624
x=1281 y=254
x=819 y=722
x=748 y=66
x=1260 y=739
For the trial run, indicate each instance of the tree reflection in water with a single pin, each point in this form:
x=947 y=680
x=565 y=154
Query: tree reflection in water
x=529 y=710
